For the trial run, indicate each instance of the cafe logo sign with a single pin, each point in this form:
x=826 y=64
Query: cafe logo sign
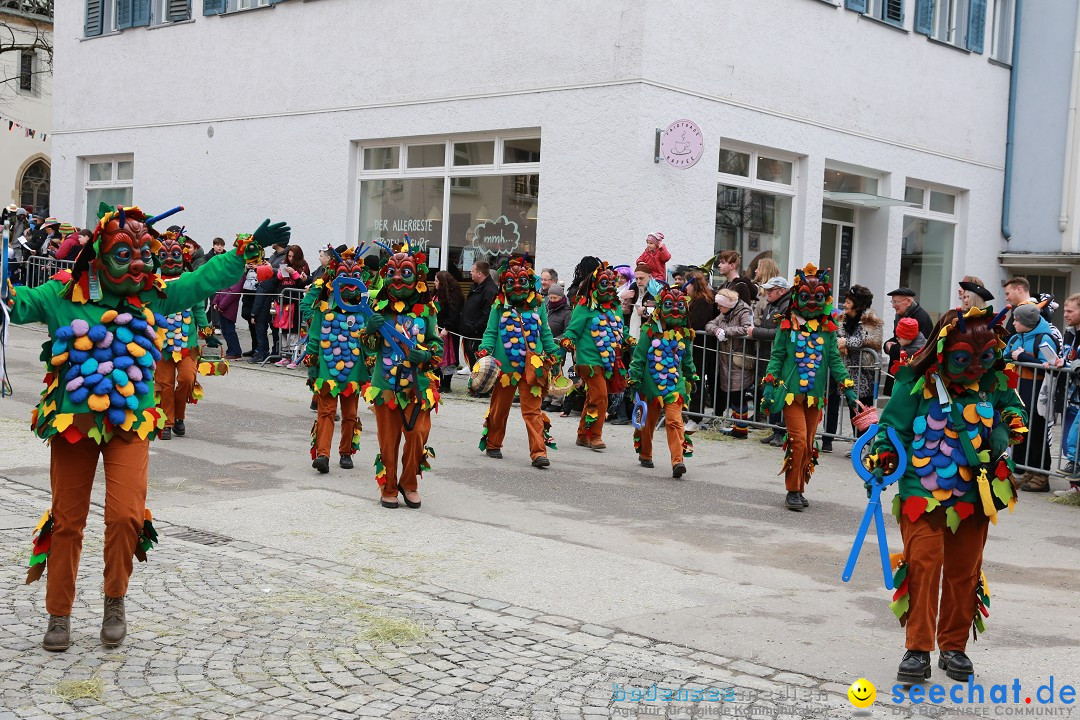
x=681 y=144
x=496 y=237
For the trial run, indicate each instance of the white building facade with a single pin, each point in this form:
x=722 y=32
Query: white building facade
x=864 y=135
x=25 y=103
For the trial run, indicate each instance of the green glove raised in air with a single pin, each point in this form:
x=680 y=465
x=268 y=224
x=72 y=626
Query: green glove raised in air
x=276 y=234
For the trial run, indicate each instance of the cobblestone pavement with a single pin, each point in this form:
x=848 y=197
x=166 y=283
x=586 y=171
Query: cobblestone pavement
x=241 y=630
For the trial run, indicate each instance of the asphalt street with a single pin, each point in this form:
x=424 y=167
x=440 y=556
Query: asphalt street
x=712 y=562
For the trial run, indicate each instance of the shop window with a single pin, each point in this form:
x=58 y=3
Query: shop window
x=382 y=158
x=481 y=207
x=109 y=180
x=846 y=182
x=754 y=201
x=926 y=256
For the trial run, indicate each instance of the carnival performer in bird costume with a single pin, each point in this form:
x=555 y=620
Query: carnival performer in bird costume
x=404 y=386
x=956 y=412
x=175 y=376
x=804 y=348
x=336 y=360
x=662 y=371
x=595 y=336
x=519 y=338
x=99 y=398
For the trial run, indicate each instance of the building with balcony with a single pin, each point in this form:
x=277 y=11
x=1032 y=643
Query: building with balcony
x=864 y=135
x=25 y=103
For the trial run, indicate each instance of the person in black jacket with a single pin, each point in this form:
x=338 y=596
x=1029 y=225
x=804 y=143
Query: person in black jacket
x=448 y=293
x=778 y=302
x=905 y=306
x=475 y=311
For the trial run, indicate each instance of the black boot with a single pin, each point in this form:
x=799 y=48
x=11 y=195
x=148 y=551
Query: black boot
x=345 y=462
x=803 y=500
x=914 y=668
x=444 y=383
x=678 y=470
x=956 y=665
x=179 y=428
x=322 y=464
x=792 y=502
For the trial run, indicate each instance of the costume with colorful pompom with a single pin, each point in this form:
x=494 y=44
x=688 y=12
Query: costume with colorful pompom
x=519 y=338
x=595 y=335
x=176 y=375
x=956 y=412
x=99 y=399
x=404 y=385
x=662 y=370
x=804 y=352
x=336 y=357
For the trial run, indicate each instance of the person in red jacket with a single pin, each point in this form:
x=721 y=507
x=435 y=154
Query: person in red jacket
x=656 y=256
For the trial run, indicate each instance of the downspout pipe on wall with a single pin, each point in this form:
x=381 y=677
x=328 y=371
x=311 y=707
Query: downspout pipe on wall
x=1070 y=140
x=1014 y=77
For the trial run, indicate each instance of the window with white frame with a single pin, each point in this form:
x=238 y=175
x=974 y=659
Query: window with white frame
x=950 y=21
x=754 y=199
x=926 y=256
x=460 y=199
x=1004 y=20
x=167 y=11
x=891 y=11
x=108 y=180
x=100 y=17
x=957 y=22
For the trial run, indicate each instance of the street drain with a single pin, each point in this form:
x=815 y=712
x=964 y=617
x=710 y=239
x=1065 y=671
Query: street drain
x=201 y=537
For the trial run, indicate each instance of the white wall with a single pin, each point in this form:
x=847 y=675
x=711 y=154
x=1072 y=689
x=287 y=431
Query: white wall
x=35 y=111
x=288 y=90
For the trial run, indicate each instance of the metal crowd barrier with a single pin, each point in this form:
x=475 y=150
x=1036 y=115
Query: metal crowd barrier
x=1049 y=393
x=39 y=268
x=731 y=373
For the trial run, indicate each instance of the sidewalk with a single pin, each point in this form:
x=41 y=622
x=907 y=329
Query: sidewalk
x=236 y=629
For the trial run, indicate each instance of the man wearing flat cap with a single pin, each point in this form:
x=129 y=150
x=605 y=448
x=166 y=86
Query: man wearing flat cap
x=905 y=306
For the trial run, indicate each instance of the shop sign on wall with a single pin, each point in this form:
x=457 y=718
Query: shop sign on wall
x=496 y=237
x=681 y=144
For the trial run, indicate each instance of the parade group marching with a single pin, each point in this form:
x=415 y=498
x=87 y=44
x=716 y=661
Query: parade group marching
x=128 y=325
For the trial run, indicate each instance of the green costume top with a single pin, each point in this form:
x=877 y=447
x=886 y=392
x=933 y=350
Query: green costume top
x=595 y=336
x=953 y=446
x=663 y=363
x=334 y=342
x=800 y=353
x=515 y=336
x=394 y=378
x=179 y=332
x=102 y=352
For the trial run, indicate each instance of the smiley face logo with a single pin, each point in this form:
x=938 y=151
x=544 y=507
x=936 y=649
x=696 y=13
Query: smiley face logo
x=862 y=693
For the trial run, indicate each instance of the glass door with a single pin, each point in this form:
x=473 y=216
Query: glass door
x=837 y=246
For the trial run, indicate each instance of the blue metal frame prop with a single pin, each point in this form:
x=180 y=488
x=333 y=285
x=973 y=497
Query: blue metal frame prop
x=877 y=482
x=641 y=411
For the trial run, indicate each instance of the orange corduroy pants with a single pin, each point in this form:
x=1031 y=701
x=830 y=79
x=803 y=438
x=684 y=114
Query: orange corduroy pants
x=943 y=572
x=324 y=426
x=673 y=423
x=596 y=403
x=174 y=380
x=390 y=427
x=71 y=473
x=801 y=422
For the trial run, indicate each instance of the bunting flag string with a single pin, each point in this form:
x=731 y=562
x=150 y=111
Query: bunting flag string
x=13 y=125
